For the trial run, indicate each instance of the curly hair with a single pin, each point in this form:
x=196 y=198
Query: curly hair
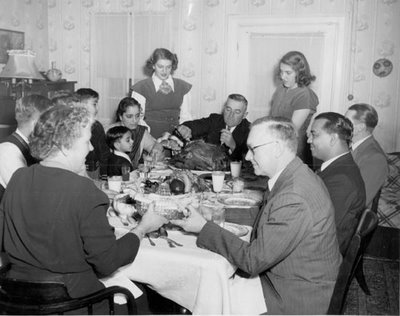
x=123 y=105
x=162 y=53
x=26 y=107
x=58 y=128
x=299 y=64
x=337 y=124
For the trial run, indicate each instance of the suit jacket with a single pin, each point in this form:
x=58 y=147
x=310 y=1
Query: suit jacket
x=209 y=129
x=372 y=161
x=346 y=188
x=294 y=251
x=115 y=163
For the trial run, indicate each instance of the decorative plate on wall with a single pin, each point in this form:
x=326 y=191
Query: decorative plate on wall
x=382 y=67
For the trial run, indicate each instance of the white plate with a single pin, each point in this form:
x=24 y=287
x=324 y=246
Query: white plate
x=236 y=229
x=238 y=201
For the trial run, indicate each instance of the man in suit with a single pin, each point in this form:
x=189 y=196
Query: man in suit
x=293 y=247
x=366 y=151
x=230 y=129
x=329 y=139
x=14 y=149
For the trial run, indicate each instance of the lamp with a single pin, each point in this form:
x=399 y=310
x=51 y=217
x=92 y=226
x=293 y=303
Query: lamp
x=21 y=66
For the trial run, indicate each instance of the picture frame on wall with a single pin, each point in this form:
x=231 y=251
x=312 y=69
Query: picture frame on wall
x=10 y=40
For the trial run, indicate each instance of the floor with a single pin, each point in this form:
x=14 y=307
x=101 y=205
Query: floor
x=382 y=276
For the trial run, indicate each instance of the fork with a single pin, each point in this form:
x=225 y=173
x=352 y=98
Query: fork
x=171 y=241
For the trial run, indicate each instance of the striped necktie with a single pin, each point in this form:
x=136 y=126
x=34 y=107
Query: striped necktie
x=165 y=87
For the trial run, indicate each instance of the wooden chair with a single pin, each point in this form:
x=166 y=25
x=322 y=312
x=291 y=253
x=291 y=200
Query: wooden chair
x=351 y=260
x=41 y=298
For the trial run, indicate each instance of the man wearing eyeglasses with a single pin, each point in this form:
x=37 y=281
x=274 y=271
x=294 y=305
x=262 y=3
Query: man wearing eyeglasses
x=230 y=129
x=293 y=247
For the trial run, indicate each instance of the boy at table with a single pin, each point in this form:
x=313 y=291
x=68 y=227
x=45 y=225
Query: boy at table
x=293 y=246
x=119 y=139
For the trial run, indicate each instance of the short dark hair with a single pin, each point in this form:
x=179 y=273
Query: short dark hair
x=65 y=98
x=162 y=53
x=123 y=105
x=239 y=98
x=337 y=124
x=365 y=113
x=281 y=128
x=115 y=133
x=299 y=63
x=86 y=93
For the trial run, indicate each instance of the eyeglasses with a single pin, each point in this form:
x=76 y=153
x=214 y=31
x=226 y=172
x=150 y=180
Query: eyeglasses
x=252 y=149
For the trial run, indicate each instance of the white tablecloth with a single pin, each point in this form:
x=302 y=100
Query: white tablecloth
x=195 y=278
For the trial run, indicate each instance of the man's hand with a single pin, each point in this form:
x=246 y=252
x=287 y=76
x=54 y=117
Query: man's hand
x=227 y=139
x=150 y=222
x=194 y=223
x=185 y=131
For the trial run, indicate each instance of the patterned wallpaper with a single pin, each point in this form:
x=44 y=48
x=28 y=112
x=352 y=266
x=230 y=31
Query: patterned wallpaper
x=198 y=36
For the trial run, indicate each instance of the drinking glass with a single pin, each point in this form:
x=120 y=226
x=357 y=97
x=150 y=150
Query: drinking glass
x=125 y=172
x=218 y=215
x=114 y=183
x=235 y=168
x=218 y=181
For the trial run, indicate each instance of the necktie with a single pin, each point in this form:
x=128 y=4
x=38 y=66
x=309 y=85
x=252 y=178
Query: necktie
x=165 y=87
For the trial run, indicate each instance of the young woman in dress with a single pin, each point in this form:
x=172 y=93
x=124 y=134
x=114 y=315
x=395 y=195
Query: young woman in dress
x=129 y=114
x=164 y=99
x=294 y=99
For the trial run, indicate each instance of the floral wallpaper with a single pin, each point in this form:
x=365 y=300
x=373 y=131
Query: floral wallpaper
x=59 y=31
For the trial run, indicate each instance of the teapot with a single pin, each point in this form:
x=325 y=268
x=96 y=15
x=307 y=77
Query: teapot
x=54 y=74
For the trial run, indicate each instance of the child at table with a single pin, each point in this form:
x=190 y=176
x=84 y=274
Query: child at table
x=97 y=159
x=119 y=139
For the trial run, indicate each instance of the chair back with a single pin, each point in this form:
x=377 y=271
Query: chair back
x=40 y=298
x=375 y=201
x=366 y=226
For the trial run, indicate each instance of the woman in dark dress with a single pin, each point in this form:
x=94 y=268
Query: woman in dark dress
x=53 y=222
x=294 y=99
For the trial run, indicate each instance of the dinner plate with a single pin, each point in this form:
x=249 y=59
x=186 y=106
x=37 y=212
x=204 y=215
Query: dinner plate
x=238 y=201
x=236 y=229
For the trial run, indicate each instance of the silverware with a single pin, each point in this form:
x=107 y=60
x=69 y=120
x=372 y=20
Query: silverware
x=150 y=241
x=171 y=241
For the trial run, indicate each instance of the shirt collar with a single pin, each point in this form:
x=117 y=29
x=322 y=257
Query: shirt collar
x=325 y=164
x=358 y=143
x=157 y=82
x=231 y=129
x=272 y=181
x=17 y=131
x=121 y=154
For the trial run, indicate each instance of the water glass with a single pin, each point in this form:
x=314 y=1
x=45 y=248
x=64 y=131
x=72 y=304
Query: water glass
x=218 y=180
x=218 y=216
x=125 y=169
x=236 y=166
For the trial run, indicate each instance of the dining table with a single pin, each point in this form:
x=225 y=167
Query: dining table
x=197 y=279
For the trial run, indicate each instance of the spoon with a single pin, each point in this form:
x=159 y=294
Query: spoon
x=150 y=241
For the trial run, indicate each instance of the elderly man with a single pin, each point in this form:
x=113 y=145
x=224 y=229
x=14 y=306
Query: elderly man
x=329 y=139
x=366 y=151
x=293 y=246
x=14 y=150
x=230 y=128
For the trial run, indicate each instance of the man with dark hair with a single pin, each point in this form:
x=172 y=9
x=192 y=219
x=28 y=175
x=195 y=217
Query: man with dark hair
x=366 y=151
x=293 y=247
x=230 y=129
x=329 y=138
x=14 y=149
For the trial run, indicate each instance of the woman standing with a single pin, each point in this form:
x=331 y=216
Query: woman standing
x=53 y=222
x=294 y=99
x=164 y=99
x=128 y=114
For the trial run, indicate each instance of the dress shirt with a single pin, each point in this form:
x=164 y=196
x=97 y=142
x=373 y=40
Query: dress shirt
x=123 y=155
x=272 y=181
x=185 y=112
x=11 y=159
x=325 y=164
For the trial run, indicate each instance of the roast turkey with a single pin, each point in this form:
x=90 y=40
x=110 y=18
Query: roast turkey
x=199 y=155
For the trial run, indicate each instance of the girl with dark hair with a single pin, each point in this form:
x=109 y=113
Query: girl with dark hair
x=294 y=99
x=128 y=115
x=164 y=99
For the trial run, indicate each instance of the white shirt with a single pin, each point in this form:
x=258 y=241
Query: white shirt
x=11 y=159
x=358 y=143
x=123 y=155
x=325 y=164
x=185 y=114
x=272 y=181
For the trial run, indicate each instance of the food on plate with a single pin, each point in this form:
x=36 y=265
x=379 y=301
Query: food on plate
x=124 y=208
x=236 y=229
x=177 y=186
x=199 y=155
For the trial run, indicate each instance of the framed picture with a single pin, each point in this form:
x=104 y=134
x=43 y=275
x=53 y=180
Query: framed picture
x=10 y=40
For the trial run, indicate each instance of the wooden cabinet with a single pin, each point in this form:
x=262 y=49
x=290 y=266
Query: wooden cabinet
x=50 y=88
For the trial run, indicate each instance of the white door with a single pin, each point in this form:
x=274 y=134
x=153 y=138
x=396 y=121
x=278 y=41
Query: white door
x=255 y=46
x=111 y=60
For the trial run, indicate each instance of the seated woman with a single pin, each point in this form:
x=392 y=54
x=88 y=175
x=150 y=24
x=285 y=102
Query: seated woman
x=53 y=222
x=119 y=139
x=128 y=114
